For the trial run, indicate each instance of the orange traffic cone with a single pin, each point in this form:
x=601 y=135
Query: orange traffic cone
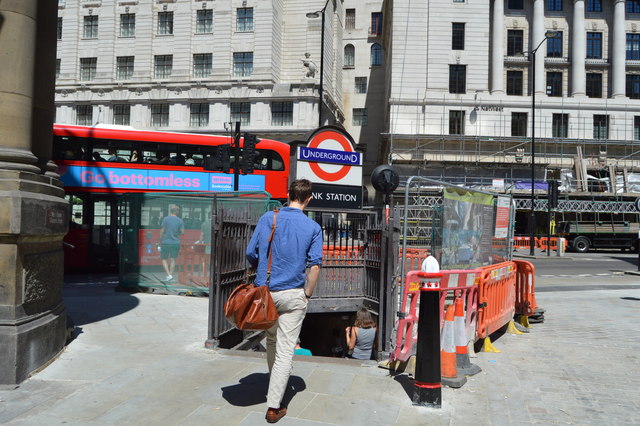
x=448 y=367
x=462 y=351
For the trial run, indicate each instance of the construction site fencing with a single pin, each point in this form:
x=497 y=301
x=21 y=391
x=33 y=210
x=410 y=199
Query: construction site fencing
x=454 y=284
x=496 y=297
x=525 y=288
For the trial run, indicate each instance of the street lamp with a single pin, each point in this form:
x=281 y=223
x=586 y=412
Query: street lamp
x=532 y=219
x=317 y=14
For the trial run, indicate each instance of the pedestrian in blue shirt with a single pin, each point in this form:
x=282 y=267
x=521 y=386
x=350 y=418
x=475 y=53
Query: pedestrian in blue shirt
x=296 y=259
x=172 y=228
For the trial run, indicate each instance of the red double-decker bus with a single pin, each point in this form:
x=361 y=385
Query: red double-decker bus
x=96 y=164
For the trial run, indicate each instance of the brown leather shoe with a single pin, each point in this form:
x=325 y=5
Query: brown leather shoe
x=275 y=414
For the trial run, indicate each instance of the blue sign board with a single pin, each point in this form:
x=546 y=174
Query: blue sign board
x=318 y=155
x=166 y=180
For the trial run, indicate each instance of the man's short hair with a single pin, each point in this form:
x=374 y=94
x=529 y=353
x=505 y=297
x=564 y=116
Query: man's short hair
x=175 y=209
x=300 y=190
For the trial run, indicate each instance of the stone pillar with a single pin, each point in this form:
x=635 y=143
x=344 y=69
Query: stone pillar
x=618 y=55
x=537 y=35
x=497 y=48
x=578 y=50
x=33 y=214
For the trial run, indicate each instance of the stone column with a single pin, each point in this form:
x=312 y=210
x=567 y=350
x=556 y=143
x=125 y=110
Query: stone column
x=537 y=35
x=33 y=214
x=578 y=50
x=497 y=48
x=618 y=54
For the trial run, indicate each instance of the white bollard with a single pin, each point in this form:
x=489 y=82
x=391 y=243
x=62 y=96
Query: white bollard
x=560 y=250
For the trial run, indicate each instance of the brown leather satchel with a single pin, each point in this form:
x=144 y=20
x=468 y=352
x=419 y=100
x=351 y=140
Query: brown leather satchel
x=250 y=307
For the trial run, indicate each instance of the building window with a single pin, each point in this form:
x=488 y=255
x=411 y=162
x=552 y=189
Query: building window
x=88 y=68
x=636 y=127
x=594 y=45
x=601 y=127
x=124 y=67
x=165 y=23
x=456 y=122
x=594 y=5
x=84 y=115
x=376 y=55
x=361 y=84
x=90 y=27
x=281 y=113
x=350 y=19
x=163 y=66
x=633 y=46
x=242 y=64
x=376 y=24
x=202 y=64
x=199 y=115
x=59 y=33
x=457 y=36
x=122 y=114
x=244 y=19
x=633 y=86
x=633 y=6
x=594 y=85
x=204 y=21
x=514 y=42
x=457 y=78
x=159 y=115
x=241 y=111
x=560 y=125
x=518 y=124
x=127 y=25
x=349 y=56
x=57 y=68
x=514 y=83
x=554 y=46
x=360 y=117
x=554 y=83
x=515 y=4
x=554 y=4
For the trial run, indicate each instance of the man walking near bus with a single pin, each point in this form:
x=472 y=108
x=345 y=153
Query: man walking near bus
x=296 y=258
x=172 y=228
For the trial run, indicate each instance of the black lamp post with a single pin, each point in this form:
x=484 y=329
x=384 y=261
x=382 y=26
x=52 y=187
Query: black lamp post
x=316 y=14
x=532 y=219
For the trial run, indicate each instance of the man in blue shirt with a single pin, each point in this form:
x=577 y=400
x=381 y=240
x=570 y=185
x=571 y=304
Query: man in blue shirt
x=296 y=258
x=172 y=228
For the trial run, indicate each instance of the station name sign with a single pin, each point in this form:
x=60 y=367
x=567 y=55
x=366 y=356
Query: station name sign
x=336 y=196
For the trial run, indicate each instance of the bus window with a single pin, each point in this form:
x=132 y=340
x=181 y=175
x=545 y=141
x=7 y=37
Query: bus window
x=77 y=210
x=272 y=159
x=192 y=155
x=67 y=148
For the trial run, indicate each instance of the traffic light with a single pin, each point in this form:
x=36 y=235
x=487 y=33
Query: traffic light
x=553 y=193
x=248 y=153
x=219 y=160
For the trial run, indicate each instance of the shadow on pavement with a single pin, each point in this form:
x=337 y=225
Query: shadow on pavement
x=93 y=298
x=407 y=383
x=631 y=298
x=252 y=390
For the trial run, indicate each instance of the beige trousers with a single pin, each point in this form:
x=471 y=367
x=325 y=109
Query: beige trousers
x=281 y=341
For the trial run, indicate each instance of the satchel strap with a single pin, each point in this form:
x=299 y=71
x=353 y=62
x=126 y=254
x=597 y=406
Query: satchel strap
x=273 y=230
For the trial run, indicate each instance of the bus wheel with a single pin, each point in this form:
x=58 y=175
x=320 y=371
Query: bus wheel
x=581 y=244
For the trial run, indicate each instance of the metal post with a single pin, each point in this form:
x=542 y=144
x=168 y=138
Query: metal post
x=428 y=380
x=236 y=155
x=548 y=224
x=320 y=89
x=532 y=218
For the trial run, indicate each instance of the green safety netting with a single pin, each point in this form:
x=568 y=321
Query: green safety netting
x=140 y=218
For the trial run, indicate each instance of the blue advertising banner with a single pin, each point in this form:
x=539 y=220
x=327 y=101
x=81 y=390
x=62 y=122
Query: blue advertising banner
x=319 y=155
x=166 y=180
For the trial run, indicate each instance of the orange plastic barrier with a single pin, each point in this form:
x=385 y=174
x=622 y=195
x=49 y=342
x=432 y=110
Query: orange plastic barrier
x=414 y=258
x=462 y=283
x=192 y=265
x=525 y=288
x=496 y=297
x=521 y=243
x=553 y=242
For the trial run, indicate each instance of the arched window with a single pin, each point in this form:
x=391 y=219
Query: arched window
x=349 y=56
x=376 y=54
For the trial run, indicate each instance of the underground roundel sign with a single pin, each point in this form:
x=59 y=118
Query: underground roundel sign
x=329 y=157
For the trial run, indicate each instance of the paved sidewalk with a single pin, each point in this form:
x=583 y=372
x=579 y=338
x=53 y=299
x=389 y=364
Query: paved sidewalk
x=139 y=359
